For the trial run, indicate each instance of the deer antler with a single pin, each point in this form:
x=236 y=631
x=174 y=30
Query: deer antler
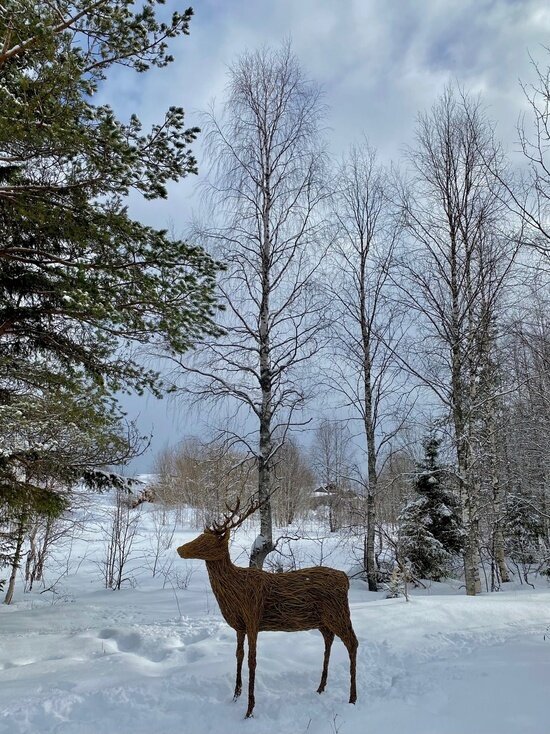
x=234 y=518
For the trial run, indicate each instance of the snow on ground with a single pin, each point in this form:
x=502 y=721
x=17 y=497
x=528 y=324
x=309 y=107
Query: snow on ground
x=153 y=660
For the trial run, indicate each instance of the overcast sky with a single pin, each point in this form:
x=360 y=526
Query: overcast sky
x=380 y=62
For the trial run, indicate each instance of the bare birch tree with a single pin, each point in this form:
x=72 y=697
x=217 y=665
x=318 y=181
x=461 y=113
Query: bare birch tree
x=453 y=275
x=265 y=192
x=363 y=369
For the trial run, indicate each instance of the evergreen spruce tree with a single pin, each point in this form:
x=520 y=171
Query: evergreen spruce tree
x=82 y=285
x=429 y=525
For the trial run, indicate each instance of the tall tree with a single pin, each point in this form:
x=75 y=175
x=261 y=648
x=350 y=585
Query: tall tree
x=453 y=276
x=81 y=283
x=367 y=326
x=266 y=191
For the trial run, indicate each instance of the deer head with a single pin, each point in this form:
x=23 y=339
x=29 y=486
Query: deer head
x=212 y=544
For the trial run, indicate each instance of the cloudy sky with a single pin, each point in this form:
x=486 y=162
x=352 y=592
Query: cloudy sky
x=380 y=62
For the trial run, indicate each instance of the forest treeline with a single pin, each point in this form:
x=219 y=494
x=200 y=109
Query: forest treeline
x=367 y=338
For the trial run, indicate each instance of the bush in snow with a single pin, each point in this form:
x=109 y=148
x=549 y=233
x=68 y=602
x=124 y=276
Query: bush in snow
x=430 y=532
x=120 y=532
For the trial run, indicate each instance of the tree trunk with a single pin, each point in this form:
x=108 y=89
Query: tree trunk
x=498 y=535
x=39 y=554
x=15 y=563
x=371 y=569
x=370 y=557
x=498 y=552
x=471 y=548
x=264 y=545
x=31 y=558
x=468 y=499
x=368 y=424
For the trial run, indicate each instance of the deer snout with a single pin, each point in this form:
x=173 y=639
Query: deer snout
x=183 y=551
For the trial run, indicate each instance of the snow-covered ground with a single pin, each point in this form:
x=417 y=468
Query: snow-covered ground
x=160 y=660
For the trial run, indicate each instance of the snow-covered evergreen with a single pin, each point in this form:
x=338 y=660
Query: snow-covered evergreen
x=429 y=525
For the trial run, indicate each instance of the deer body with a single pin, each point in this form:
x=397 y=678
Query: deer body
x=253 y=601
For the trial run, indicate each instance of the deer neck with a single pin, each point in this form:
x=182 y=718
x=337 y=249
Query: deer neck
x=225 y=583
x=221 y=572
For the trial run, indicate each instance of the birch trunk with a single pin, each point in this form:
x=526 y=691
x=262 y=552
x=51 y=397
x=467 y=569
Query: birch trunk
x=456 y=283
x=265 y=460
x=498 y=505
x=372 y=474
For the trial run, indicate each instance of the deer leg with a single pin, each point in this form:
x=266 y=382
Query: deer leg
x=252 y=637
x=350 y=641
x=240 y=655
x=329 y=638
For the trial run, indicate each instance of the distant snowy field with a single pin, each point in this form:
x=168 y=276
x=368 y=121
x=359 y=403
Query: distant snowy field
x=153 y=660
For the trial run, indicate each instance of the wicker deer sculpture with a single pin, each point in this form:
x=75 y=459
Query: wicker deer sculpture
x=252 y=600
